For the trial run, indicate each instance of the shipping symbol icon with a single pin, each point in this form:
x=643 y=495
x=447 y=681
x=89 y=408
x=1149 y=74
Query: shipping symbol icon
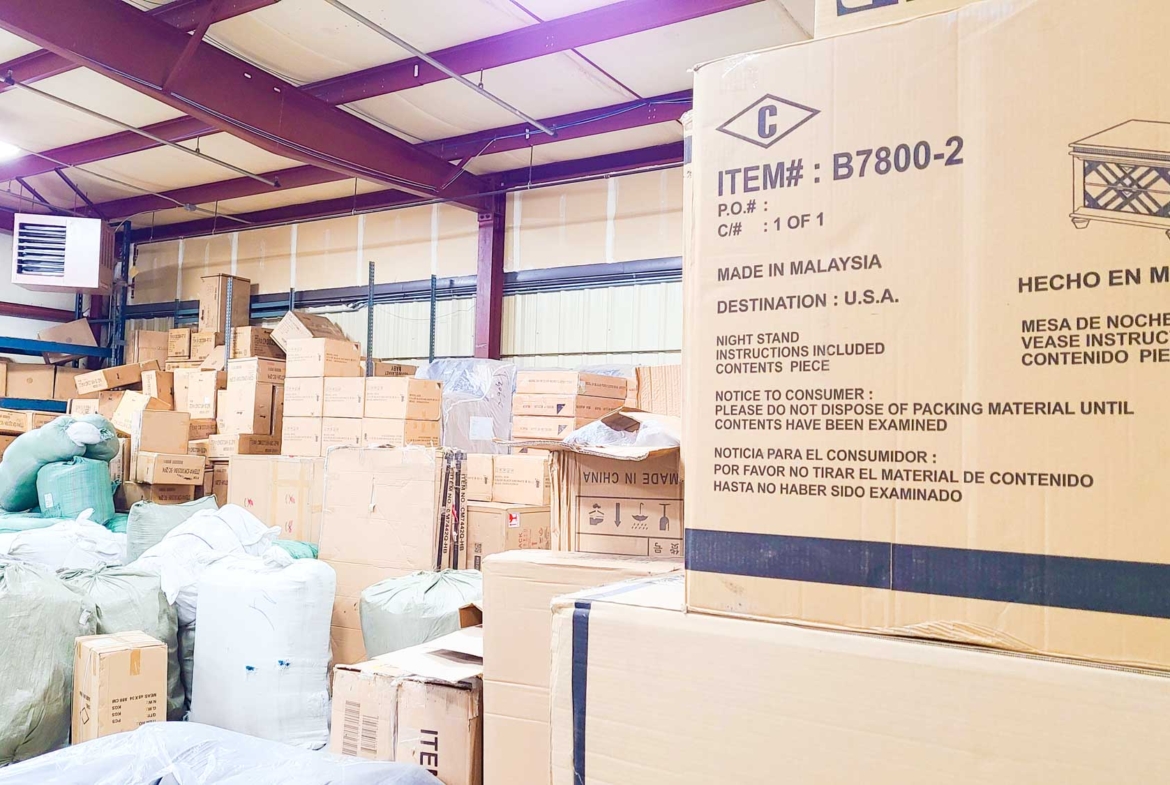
x=1122 y=175
x=768 y=120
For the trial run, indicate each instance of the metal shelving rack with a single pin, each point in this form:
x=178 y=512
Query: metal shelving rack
x=27 y=346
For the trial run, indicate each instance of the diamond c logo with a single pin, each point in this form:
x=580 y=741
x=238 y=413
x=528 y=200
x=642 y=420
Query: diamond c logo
x=768 y=120
x=853 y=6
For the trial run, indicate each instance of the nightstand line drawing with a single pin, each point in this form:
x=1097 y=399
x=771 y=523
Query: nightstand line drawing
x=1122 y=175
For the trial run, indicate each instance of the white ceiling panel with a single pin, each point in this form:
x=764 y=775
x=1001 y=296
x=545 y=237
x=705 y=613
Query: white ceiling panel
x=601 y=144
x=37 y=123
x=555 y=9
x=547 y=86
x=308 y=40
x=13 y=46
x=284 y=197
x=659 y=61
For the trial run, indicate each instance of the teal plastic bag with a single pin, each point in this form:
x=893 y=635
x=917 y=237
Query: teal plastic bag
x=401 y=612
x=68 y=488
x=117 y=524
x=59 y=440
x=24 y=521
x=297 y=549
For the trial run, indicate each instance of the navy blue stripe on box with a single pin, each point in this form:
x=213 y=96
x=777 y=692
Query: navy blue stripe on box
x=1108 y=586
x=580 y=687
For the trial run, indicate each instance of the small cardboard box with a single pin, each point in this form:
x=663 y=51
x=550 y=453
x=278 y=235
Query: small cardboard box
x=79 y=407
x=148 y=345
x=5 y=442
x=149 y=365
x=153 y=467
x=214 y=361
x=255 y=342
x=343 y=397
x=404 y=398
x=129 y=492
x=119 y=684
x=199 y=447
x=660 y=389
x=398 y=433
x=281 y=491
x=156 y=384
x=521 y=479
x=200 y=429
x=494 y=528
x=225 y=446
x=220 y=482
x=33 y=380
x=255 y=369
x=203 y=344
x=179 y=343
x=201 y=393
x=15 y=422
x=579 y=406
x=213 y=302
x=479 y=468
x=120 y=464
x=420 y=705
x=177 y=365
x=132 y=403
x=321 y=357
x=545 y=427
x=182 y=380
x=301 y=436
x=248 y=408
x=43 y=418
x=105 y=379
x=383 y=368
x=64 y=385
x=298 y=324
x=159 y=431
x=304 y=396
x=77 y=333
x=571 y=383
x=108 y=402
x=340 y=431
x=220 y=410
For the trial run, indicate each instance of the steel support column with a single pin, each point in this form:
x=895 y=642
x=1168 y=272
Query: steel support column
x=489 y=287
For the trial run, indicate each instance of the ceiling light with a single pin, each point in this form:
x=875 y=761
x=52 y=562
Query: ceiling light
x=8 y=151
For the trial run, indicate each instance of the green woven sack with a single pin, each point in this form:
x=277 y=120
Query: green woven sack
x=58 y=440
x=401 y=612
x=148 y=522
x=68 y=488
x=297 y=549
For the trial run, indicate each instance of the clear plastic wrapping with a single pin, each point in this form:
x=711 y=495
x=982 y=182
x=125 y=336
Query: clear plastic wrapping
x=477 y=402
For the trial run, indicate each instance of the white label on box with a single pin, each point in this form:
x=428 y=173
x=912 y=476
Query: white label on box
x=482 y=429
x=513 y=521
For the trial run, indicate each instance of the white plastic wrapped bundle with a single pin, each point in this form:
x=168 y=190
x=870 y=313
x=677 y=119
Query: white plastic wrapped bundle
x=80 y=544
x=262 y=648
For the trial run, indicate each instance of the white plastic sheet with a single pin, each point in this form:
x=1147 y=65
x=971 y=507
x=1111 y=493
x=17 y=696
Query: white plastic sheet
x=186 y=753
x=80 y=544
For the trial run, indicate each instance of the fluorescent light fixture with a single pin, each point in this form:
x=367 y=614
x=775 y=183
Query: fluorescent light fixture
x=9 y=151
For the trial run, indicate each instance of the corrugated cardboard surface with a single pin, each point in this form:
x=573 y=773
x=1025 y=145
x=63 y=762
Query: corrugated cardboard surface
x=521 y=479
x=644 y=693
x=972 y=512
x=281 y=491
x=119 y=684
x=845 y=16
x=496 y=527
x=518 y=588
x=660 y=389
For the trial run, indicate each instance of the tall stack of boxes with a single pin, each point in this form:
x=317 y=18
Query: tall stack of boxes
x=553 y=404
x=508 y=504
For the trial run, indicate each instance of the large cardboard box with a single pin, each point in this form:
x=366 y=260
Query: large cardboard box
x=121 y=468
x=217 y=482
x=570 y=383
x=126 y=494
x=495 y=527
x=383 y=368
x=404 y=398
x=518 y=590
x=343 y=397
x=64 y=386
x=255 y=342
x=944 y=396
x=421 y=705
x=524 y=427
x=82 y=406
x=660 y=389
x=146 y=345
x=119 y=684
x=785 y=703
x=298 y=324
x=156 y=384
x=108 y=402
x=104 y=379
x=834 y=17
x=213 y=302
x=201 y=393
x=33 y=380
x=479 y=470
x=163 y=469
x=158 y=431
x=396 y=433
x=78 y=333
x=577 y=406
x=249 y=407
x=340 y=432
x=281 y=491
x=222 y=446
x=179 y=343
x=15 y=422
x=321 y=357
x=301 y=436
x=200 y=429
x=304 y=396
x=250 y=370
x=204 y=343
x=521 y=479
x=132 y=403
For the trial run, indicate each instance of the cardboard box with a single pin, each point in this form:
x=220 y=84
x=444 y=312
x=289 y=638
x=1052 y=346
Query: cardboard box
x=343 y=397
x=130 y=404
x=163 y=469
x=420 y=705
x=980 y=510
x=31 y=380
x=216 y=361
x=78 y=333
x=521 y=479
x=213 y=302
x=200 y=429
x=43 y=418
x=281 y=491
x=301 y=436
x=494 y=528
x=660 y=389
x=203 y=344
x=478 y=468
x=220 y=482
x=255 y=342
x=804 y=705
x=404 y=398
x=304 y=396
x=518 y=589
x=578 y=406
x=571 y=383
x=321 y=357
x=255 y=369
x=119 y=684
x=227 y=445
x=126 y=494
x=834 y=17
x=340 y=431
x=79 y=407
x=5 y=443
x=199 y=447
x=553 y=428
x=104 y=379
x=178 y=365
x=398 y=433
x=157 y=384
x=248 y=408
x=146 y=345
x=108 y=402
x=382 y=368
x=179 y=343
x=158 y=431
x=298 y=324
x=182 y=381
x=201 y=393
x=64 y=387
x=149 y=365
x=120 y=465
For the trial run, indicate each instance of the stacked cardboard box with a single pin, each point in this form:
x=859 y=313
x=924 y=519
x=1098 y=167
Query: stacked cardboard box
x=281 y=491
x=508 y=504
x=553 y=404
